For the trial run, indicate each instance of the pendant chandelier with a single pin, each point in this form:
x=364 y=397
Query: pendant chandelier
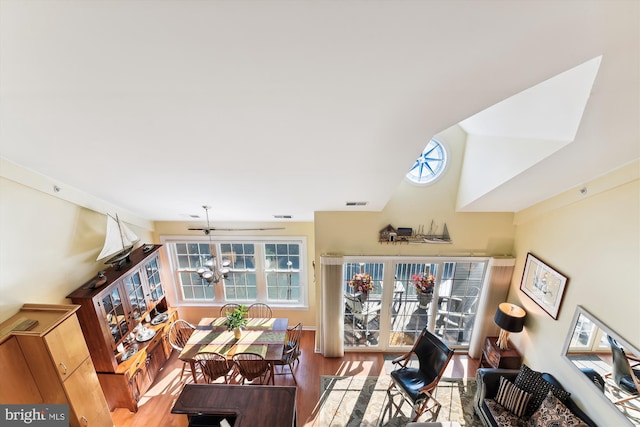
x=209 y=270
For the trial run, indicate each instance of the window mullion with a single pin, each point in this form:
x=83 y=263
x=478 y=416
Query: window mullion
x=261 y=274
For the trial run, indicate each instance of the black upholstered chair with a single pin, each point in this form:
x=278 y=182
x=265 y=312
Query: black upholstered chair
x=416 y=384
x=625 y=377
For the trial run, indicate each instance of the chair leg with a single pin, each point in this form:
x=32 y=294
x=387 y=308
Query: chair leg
x=292 y=374
x=182 y=370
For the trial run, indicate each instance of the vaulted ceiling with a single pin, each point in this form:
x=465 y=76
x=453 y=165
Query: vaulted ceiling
x=280 y=107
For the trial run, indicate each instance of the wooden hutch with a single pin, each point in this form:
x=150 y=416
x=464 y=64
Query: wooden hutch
x=128 y=313
x=44 y=360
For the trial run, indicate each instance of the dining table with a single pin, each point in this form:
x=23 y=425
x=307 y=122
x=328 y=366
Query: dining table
x=264 y=336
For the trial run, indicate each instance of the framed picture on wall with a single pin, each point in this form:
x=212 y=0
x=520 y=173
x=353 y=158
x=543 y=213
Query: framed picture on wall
x=543 y=284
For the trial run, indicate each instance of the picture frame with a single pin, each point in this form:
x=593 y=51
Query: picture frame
x=543 y=284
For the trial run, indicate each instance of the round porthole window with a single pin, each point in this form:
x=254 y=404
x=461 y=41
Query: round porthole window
x=430 y=164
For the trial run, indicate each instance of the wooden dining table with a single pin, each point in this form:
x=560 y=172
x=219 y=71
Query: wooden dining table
x=263 y=336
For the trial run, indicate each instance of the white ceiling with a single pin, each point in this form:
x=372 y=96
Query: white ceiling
x=280 y=107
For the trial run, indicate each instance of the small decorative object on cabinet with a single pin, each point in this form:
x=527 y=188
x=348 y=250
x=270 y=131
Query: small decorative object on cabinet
x=126 y=349
x=58 y=362
x=496 y=358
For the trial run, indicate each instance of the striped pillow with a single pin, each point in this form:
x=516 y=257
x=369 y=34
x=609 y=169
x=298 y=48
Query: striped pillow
x=512 y=398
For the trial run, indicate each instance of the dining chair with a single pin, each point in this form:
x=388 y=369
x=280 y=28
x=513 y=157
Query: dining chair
x=179 y=334
x=291 y=351
x=251 y=366
x=213 y=366
x=260 y=310
x=416 y=384
x=228 y=308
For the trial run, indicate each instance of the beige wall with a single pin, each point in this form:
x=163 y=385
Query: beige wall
x=595 y=240
x=48 y=246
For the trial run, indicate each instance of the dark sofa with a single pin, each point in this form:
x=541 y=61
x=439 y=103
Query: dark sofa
x=488 y=382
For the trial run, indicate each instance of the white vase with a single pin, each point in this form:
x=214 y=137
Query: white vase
x=237 y=333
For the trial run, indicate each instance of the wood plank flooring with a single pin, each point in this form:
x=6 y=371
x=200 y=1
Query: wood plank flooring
x=155 y=406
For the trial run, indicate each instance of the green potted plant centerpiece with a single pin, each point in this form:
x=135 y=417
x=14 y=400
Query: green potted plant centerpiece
x=236 y=320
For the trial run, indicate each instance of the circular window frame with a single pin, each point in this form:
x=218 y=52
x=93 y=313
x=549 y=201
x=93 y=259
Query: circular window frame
x=432 y=174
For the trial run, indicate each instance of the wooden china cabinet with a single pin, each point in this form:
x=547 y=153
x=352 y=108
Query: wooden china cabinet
x=126 y=323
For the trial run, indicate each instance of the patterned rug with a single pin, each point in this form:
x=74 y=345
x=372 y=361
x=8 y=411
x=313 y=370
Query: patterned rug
x=362 y=401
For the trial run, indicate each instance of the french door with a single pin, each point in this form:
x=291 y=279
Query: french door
x=392 y=313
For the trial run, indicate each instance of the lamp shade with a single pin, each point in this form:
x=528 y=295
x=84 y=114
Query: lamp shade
x=510 y=317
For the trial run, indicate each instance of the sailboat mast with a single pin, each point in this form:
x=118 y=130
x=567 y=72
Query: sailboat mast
x=121 y=231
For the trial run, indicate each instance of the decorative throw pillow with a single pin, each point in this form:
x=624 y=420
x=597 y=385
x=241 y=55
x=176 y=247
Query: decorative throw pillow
x=553 y=413
x=512 y=398
x=532 y=382
x=502 y=417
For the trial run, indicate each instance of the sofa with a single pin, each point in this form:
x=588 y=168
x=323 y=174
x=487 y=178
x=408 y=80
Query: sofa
x=530 y=399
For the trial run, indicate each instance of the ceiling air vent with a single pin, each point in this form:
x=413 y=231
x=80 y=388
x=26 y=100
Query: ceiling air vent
x=282 y=216
x=357 y=203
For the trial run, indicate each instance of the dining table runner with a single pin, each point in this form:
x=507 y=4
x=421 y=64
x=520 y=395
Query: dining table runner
x=218 y=323
x=204 y=337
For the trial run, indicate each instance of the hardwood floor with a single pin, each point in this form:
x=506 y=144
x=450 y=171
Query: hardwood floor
x=155 y=406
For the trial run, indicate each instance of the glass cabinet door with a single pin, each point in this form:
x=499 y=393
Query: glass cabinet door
x=135 y=293
x=153 y=277
x=115 y=315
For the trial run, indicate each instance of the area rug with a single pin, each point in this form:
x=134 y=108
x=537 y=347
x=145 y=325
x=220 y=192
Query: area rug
x=363 y=401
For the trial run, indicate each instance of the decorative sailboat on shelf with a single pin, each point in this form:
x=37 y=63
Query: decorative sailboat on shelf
x=118 y=243
x=432 y=237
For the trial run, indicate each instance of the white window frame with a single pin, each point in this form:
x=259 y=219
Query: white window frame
x=219 y=297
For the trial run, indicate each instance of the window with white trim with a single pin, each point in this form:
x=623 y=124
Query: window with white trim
x=260 y=270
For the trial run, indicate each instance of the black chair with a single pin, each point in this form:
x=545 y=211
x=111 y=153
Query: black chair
x=417 y=384
x=624 y=376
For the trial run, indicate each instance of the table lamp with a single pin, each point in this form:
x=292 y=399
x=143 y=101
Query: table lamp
x=509 y=318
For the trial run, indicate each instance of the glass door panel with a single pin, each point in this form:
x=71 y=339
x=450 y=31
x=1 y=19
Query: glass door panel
x=135 y=293
x=458 y=296
x=409 y=310
x=362 y=310
x=153 y=278
x=114 y=315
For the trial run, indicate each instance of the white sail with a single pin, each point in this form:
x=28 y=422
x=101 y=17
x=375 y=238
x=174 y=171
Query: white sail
x=118 y=238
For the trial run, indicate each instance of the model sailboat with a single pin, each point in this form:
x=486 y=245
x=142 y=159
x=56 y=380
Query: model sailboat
x=118 y=243
x=433 y=237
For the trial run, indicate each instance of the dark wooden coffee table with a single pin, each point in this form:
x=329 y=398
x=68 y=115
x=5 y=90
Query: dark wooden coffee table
x=241 y=405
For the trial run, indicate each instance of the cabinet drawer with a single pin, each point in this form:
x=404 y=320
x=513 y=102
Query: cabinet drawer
x=67 y=347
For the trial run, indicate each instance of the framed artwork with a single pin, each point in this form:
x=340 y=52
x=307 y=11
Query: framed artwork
x=543 y=284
